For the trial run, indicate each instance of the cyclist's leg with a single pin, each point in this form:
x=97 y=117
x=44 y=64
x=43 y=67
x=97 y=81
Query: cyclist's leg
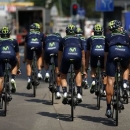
x=103 y=76
x=14 y=68
x=39 y=63
x=110 y=71
x=125 y=68
x=78 y=78
x=58 y=80
x=29 y=58
x=46 y=66
x=64 y=70
x=93 y=64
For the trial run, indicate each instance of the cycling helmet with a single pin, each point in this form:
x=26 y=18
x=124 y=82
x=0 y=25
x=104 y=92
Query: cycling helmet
x=97 y=28
x=71 y=29
x=79 y=31
x=114 y=25
x=35 y=27
x=5 y=32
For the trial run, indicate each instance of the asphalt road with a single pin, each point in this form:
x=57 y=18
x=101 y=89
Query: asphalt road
x=28 y=113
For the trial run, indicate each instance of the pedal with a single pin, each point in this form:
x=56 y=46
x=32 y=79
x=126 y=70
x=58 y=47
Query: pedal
x=46 y=80
x=65 y=101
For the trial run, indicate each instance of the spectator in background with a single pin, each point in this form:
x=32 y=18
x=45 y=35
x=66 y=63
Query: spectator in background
x=88 y=29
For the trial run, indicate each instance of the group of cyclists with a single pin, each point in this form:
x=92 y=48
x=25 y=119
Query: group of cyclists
x=84 y=52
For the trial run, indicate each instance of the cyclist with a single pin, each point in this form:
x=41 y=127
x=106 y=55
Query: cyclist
x=9 y=49
x=79 y=33
x=71 y=47
x=51 y=46
x=116 y=45
x=95 y=48
x=33 y=39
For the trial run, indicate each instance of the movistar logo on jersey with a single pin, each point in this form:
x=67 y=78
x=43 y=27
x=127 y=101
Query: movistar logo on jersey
x=98 y=46
x=72 y=49
x=5 y=48
x=51 y=44
x=119 y=46
x=34 y=39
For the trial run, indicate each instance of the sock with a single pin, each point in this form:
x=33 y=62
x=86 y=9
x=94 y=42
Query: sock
x=93 y=79
x=108 y=106
x=58 y=88
x=13 y=76
x=125 y=81
x=79 y=89
x=29 y=78
x=104 y=87
x=47 y=71
x=64 y=89
x=39 y=71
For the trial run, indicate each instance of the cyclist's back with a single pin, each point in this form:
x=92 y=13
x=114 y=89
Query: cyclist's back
x=51 y=43
x=118 y=44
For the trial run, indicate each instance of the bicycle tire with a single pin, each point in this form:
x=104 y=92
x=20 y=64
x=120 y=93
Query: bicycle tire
x=34 y=84
x=5 y=100
x=34 y=74
x=117 y=104
x=52 y=73
x=98 y=83
x=72 y=100
x=98 y=97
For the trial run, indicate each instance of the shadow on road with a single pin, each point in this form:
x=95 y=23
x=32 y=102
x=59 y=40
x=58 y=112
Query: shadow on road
x=102 y=120
x=89 y=106
x=23 y=94
x=63 y=117
x=46 y=102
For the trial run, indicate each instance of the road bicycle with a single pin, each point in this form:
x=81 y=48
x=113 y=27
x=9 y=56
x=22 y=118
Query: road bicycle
x=34 y=80
x=6 y=93
x=52 y=81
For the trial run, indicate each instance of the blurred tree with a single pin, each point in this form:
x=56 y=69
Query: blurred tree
x=89 y=6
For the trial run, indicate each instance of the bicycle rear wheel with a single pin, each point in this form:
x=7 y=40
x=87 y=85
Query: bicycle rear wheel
x=72 y=99
x=53 y=85
x=5 y=100
x=116 y=104
x=34 y=83
x=98 y=97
